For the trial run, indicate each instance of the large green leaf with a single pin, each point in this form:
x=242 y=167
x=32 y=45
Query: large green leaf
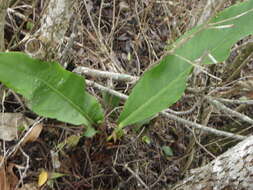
x=50 y=90
x=164 y=84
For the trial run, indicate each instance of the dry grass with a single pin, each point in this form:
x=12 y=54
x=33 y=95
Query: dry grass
x=124 y=37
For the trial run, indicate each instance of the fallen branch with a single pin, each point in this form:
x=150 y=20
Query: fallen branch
x=118 y=77
x=224 y=108
x=202 y=127
x=105 y=74
x=231 y=170
x=105 y=89
x=248 y=102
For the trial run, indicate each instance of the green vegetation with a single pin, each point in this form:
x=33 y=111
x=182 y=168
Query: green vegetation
x=50 y=90
x=56 y=93
x=163 y=85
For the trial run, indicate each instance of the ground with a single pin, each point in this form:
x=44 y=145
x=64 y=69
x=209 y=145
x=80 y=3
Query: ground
x=124 y=37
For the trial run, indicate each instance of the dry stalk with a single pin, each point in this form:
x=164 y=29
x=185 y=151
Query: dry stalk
x=136 y=176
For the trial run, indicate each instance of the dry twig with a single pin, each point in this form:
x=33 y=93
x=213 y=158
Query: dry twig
x=224 y=108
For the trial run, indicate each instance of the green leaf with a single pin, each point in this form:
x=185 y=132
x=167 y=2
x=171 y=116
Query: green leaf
x=56 y=175
x=146 y=139
x=164 y=84
x=110 y=100
x=69 y=142
x=50 y=90
x=167 y=151
x=148 y=99
x=90 y=132
x=29 y=25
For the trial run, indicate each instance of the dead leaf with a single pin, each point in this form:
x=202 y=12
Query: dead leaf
x=9 y=123
x=11 y=177
x=69 y=142
x=72 y=141
x=4 y=185
x=250 y=95
x=43 y=177
x=123 y=5
x=3 y=181
x=33 y=134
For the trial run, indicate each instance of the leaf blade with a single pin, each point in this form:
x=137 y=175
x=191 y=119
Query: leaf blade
x=51 y=91
x=133 y=117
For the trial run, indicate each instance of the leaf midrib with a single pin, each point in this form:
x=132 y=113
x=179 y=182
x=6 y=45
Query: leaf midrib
x=152 y=98
x=68 y=100
x=76 y=107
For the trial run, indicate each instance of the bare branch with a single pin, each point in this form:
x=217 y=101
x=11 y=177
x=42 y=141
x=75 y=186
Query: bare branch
x=248 y=102
x=224 y=108
x=202 y=127
x=105 y=74
x=105 y=89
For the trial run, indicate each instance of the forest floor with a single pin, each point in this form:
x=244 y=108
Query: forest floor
x=125 y=37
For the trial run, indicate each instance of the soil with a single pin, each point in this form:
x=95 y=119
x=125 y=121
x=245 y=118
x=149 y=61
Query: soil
x=134 y=34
